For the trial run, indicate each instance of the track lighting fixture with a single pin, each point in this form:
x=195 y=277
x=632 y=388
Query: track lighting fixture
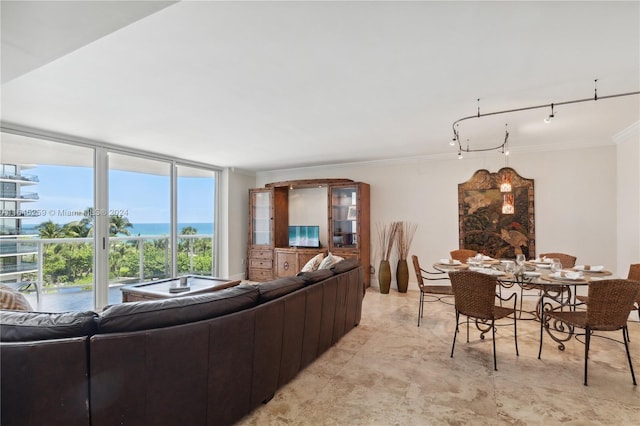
x=502 y=146
x=550 y=117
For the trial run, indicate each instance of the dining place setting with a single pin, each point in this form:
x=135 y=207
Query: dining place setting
x=556 y=279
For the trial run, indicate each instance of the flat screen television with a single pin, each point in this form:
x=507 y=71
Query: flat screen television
x=304 y=236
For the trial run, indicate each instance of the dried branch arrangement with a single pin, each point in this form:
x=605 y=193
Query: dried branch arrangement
x=405 y=231
x=386 y=238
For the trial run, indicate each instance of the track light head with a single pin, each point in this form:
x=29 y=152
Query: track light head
x=550 y=117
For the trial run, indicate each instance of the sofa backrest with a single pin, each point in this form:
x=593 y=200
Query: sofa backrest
x=180 y=310
x=271 y=290
x=24 y=326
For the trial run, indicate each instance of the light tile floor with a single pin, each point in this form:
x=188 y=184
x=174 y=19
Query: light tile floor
x=388 y=371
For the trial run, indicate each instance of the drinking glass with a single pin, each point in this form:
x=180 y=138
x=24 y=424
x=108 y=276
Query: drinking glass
x=479 y=259
x=520 y=259
x=509 y=267
x=556 y=265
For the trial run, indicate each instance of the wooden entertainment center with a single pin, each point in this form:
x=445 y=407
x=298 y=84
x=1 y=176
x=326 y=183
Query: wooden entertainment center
x=348 y=228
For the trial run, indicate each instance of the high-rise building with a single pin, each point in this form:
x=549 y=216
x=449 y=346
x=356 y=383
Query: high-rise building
x=17 y=248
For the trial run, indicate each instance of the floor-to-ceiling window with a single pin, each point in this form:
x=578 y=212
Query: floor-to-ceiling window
x=139 y=220
x=154 y=216
x=46 y=246
x=196 y=192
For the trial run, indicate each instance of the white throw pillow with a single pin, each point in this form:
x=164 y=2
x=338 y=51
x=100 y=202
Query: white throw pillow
x=313 y=263
x=329 y=261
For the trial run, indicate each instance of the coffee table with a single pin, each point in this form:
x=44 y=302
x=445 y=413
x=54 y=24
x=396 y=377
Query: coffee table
x=161 y=289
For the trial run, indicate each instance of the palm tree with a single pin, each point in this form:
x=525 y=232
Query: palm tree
x=118 y=225
x=49 y=229
x=188 y=230
x=76 y=229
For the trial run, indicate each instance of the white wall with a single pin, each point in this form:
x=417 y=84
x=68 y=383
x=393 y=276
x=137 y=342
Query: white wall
x=234 y=223
x=575 y=198
x=309 y=206
x=628 y=175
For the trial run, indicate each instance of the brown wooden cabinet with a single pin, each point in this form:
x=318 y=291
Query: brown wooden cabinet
x=349 y=222
x=289 y=261
x=269 y=255
x=268 y=228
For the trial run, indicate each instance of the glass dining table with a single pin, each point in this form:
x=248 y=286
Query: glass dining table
x=556 y=290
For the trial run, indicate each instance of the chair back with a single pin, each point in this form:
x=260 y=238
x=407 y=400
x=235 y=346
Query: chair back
x=567 y=260
x=462 y=254
x=416 y=266
x=474 y=293
x=634 y=272
x=610 y=302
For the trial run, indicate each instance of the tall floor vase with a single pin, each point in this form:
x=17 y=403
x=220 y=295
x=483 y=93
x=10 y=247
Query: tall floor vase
x=384 y=276
x=402 y=275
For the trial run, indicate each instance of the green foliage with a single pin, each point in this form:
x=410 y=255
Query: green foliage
x=72 y=263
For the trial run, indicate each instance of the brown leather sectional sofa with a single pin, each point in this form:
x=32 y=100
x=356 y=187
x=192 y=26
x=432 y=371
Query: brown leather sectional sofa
x=195 y=360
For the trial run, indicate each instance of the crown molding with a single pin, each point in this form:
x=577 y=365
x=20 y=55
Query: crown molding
x=633 y=131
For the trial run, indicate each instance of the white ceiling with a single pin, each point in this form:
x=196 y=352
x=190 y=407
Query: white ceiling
x=272 y=85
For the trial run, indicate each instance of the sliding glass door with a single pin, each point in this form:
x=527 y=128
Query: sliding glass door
x=139 y=221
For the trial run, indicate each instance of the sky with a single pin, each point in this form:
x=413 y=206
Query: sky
x=64 y=192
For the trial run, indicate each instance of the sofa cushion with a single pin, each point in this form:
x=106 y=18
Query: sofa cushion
x=18 y=326
x=313 y=263
x=179 y=310
x=315 y=276
x=273 y=289
x=345 y=265
x=13 y=300
x=329 y=261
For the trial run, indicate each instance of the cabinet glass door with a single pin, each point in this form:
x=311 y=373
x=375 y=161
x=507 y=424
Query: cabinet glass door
x=344 y=213
x=261 y=224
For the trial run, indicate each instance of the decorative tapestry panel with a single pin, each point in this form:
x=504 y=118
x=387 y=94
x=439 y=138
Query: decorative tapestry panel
x=482 y=225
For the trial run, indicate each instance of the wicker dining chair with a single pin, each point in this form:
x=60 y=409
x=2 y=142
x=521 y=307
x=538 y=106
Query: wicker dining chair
x=429 y=290
x=634 y=274
x=462 y=254
x=567 y=260
x=610 y=302
x=475 y=297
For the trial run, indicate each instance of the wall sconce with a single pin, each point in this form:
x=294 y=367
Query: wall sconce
x=507 y=203
x=505 y=185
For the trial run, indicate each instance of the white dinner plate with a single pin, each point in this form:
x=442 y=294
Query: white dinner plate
x=593 y=268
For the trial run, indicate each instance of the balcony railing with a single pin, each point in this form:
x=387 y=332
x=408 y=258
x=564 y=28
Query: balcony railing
x=12 y=195
x=131 y=259
x=21 y=267
x=19 y=177
x=20 y=213
x=17 y=247
x=13 y=231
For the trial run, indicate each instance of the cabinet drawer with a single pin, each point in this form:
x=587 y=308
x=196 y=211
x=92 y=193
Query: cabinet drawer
x=260 y=274
x=261 y=263
x=261 y=254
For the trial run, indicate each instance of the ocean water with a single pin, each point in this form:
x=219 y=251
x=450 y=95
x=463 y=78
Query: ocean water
x=163 y=228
